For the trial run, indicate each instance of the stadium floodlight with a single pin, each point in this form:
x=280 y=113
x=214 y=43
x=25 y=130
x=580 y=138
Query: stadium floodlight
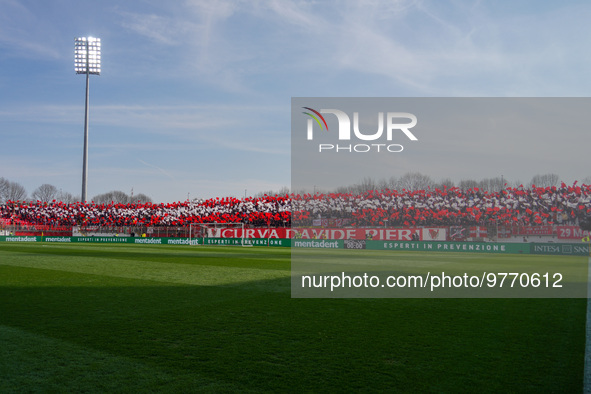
x=87 y=60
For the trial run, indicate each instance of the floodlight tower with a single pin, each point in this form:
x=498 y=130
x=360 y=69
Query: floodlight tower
x=87 y=60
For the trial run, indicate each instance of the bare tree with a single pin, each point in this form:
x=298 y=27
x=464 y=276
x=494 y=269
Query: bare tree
x=466 y=184
x=367 y=184
x=15 y=192
x=418 y=181
x=344 y=189
x=497 y=184
x=492 y=184
x=281 y=192
x=447 y=182
x=3 y=189
x=119 y=197
x=142 y=198
x=383 y=184
x=415 y=181
x=115 y=196
x=545 y=180
x=45 y=193
x=66 y=197
x=392 y=183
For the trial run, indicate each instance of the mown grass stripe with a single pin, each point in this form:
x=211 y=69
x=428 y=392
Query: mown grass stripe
x=203 y=272
x=237 y=338
x=46 y=364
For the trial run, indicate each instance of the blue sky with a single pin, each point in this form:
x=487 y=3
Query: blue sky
x=194 y=96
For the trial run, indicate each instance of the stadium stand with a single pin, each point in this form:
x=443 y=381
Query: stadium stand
x=257 y=212
x=437 y=207
x=451 y=206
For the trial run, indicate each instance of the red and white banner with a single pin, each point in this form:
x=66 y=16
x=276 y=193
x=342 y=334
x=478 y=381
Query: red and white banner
x=478 y=232
x=434 y=234
x=504 y=232
x=532 y=230
x=378 y=234
x=254 y=233
x=571 y=232
x=458 y=233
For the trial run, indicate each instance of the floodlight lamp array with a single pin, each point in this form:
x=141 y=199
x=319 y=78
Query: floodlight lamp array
x=87 y=55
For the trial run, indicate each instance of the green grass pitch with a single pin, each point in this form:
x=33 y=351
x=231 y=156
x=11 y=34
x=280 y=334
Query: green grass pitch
x=126 y=318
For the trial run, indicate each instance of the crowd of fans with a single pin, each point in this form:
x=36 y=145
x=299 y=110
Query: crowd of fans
x=255 y=212
x=437 y=207
x=450 y=206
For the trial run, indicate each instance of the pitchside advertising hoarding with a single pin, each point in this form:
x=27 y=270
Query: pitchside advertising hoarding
x=563 y=249
x=338 y=143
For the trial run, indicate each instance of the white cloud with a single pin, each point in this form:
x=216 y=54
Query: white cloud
x=161 y=29
x=18 y=32
x=157 y=168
